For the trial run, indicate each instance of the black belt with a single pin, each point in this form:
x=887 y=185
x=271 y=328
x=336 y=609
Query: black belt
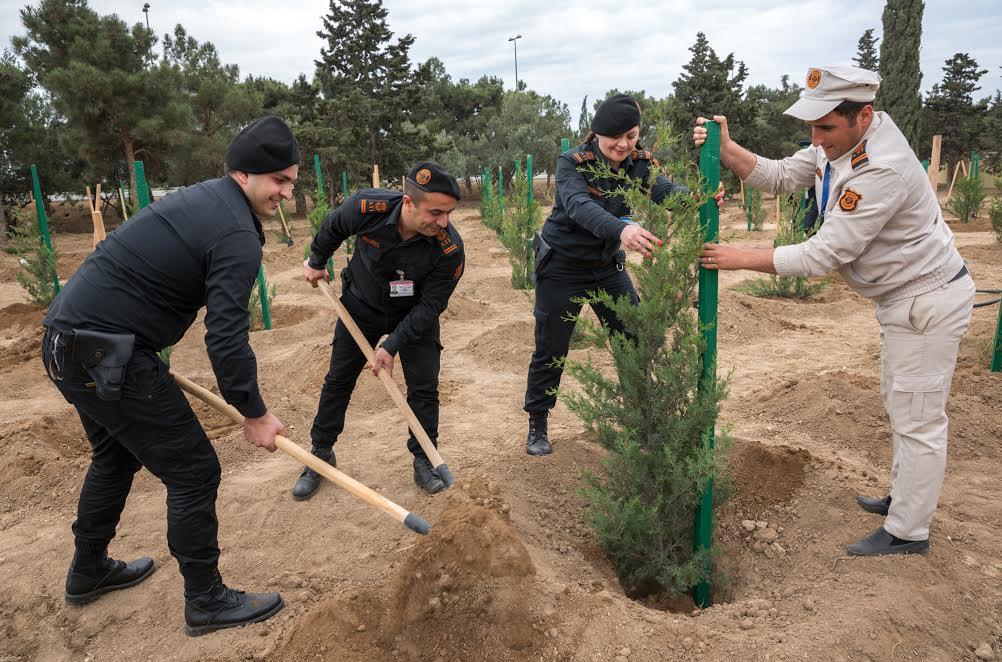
x=960 y=274
x=587 y=264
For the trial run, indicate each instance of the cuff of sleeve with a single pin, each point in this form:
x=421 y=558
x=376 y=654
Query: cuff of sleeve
x=786 y=259
x=391 y=345
x=253 y=407
x=757 y=178
x=316 y=262
x=616 y=228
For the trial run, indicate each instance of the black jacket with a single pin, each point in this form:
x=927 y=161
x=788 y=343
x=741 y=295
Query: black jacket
x=197 y=247
x=435 y=264
x=585 y=223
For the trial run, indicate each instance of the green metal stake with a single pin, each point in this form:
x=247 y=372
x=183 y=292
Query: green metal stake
x=925 y=164
x=265 y=306
x=748 y=206
x=528 y=175
x=565 y=144
x=320 y=173
x=344 y=185
x=500 y=193
x=975 y=165
x=43 y=221
x=142 y=188
x=996 y=364
x=709 y=217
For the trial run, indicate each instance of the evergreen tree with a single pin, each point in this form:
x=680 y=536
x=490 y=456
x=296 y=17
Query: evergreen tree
x=584 y=119
x=866 y=51
x=992 y=135
x=368 y=88
x=899 y=66
x=712 y=86
x=950 y=108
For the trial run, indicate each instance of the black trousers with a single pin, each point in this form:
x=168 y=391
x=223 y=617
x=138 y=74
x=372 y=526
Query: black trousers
x=559 y=281
x=420 y=362
x=152 y=426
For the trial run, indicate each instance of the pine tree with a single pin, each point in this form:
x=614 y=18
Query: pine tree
x=866 y=52
x=584 y=119
x=713 y=86
x=899 y=66
x=369 y=89
x=950 y=108
x=649 y=412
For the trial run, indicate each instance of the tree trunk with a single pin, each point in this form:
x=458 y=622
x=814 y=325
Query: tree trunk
x=130 y=157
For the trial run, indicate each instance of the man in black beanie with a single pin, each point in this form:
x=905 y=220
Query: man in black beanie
x=406 y=264
x=139 y=292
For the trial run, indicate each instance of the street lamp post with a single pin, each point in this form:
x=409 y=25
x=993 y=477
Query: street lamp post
x=146 y=10
x=514 y=41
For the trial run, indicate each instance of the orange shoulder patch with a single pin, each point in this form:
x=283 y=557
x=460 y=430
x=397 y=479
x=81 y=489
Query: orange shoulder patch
x=849 y=200
x=446 y=243
x=372 y=206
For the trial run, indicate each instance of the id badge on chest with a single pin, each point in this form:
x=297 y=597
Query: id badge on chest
x=401 y=287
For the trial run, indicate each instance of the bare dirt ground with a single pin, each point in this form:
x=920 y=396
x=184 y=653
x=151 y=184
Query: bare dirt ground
x=510 y=571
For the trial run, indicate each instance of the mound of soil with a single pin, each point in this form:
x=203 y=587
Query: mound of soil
x=506 y=347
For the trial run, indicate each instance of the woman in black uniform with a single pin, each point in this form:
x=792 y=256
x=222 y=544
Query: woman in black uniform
x=581 y=245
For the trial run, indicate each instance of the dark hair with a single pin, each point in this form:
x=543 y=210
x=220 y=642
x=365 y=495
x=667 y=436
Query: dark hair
x=592 y=136
x=413 y=191
x=850 y=110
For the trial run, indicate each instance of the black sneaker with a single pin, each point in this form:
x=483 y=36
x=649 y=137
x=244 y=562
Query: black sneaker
x=538 y=443
x=116 y=575
x=426 y=477
x=882 y=543
x=224 y=607
x=309 y=481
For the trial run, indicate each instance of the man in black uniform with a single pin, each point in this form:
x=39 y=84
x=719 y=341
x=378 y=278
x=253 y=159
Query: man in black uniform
x=579 y=249
x=407 y=262
x=138 y=292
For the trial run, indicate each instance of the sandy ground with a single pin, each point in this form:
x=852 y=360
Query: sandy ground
x=529 y=582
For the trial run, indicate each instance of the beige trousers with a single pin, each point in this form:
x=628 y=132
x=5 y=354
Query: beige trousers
x=919 y=341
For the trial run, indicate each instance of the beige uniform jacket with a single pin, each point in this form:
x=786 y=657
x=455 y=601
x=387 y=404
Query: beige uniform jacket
x=883 y=230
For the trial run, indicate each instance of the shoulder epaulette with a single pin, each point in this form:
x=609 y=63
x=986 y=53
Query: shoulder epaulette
x=583 y=157
x=446 y=243
x=371 y=206
x=859 y=156
x=641 y=154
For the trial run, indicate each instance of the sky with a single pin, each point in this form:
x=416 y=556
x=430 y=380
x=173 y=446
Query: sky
x=570 y=50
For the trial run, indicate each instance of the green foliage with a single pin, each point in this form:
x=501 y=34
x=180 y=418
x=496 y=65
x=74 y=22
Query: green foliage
x=37 y=261
x=995 y=216
x=254 y=306
x=753 y=205
x=967 y=199
x=950 y=109
x=165 y=354
x=652 y=414
x=316 y=217
x=520 y=221
x=790 y=232
x=866 y=51
x=899 y=66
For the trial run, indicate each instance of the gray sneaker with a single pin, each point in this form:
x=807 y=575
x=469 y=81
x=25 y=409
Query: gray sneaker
x=881 y=543
x=880 y=506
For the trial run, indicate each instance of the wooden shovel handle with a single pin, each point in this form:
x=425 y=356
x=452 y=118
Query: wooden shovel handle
x=410 y=520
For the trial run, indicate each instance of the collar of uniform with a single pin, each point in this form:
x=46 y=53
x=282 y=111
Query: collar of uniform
x=393 y=220
x=257 y=221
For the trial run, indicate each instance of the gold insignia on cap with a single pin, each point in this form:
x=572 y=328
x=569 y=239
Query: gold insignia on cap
x=849 y=200
x=813 y=78
x=423 y=176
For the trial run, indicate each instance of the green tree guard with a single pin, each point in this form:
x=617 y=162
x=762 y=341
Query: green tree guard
x=709 y=166
x=528 y=174
x=500 y=193
x=142 y=188
x=996 y=364
x=265 y=305
x=565 y=144
x=975 y=165
x=344 y=186
x=319 y=172
x=43 y=221
x=748 y=206
x=925 y=164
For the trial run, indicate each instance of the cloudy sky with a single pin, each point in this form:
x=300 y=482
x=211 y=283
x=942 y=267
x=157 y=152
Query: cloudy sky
x=573 y=49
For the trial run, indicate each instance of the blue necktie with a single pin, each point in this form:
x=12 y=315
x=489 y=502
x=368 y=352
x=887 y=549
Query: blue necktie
x=824 y=189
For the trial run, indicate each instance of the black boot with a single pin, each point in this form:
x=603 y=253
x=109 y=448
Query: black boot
x=876 y=505
x=537 y=443
x=309 y=480
x=223 y=607
x=86 y=584
x=425 y=476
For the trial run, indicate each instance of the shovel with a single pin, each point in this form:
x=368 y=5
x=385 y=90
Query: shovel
x=412 y=521
x=391 y=387
x=285 y=226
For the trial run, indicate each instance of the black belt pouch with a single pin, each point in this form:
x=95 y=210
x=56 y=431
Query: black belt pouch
x=104 y=356
x=542 y=252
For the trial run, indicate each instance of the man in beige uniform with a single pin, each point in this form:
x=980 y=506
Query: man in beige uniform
x=884 y=233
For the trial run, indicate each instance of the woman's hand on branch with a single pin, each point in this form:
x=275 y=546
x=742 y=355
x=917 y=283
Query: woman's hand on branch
x=635 y=238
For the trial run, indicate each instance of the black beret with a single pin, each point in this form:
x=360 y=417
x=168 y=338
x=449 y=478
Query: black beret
x=264 y=145
x=617 y=115
x=433 y=178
